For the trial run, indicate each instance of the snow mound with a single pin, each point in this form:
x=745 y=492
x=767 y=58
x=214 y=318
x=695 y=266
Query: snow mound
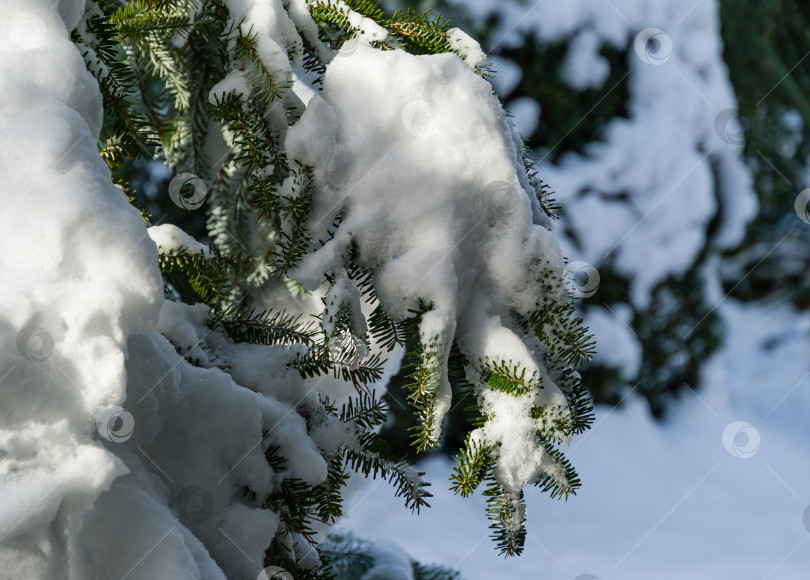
x=113 y=447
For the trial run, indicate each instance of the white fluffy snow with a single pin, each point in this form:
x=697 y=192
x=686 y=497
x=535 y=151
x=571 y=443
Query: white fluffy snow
x=466 y=47
x=71 y=244
x=431 y=189
x=168 y=238
x=118 y=457
x=233 y=83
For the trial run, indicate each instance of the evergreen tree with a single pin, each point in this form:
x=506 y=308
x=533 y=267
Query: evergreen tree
x=771 y=77
x=203 y=88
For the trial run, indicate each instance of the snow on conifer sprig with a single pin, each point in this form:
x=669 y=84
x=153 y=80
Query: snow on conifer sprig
x=409 y=30
x=397 y=193
x=506 y=318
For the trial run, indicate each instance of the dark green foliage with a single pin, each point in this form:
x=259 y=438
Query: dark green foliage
x=508 y=515
x=327 y=498
x=133 y=200
x=676 y=337
x=295 y=239
x=420 y=33
x=554 y=322
x=415 y=32
x=770 y=72
x=210 y=277
x=366 y=411
x=474 y=464
x=374 y=456
x=545 y=196
x=579 y=400
x=263 y=82
x=297 y=504
x=371 y=455
x=387 y=333
x=128 y=134
x=369 y=9
x=564 y=105
x=154 y=102
x=320 y=362
x=508 y=378
x=563 y=486
x=557 y=324
x=457 y=375
x=300 y=504
x=269 y=328
x=425 y=365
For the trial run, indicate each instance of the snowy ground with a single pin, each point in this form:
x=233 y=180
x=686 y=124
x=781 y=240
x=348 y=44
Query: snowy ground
x=697 y=497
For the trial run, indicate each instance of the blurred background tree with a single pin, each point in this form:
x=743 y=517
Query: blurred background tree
x=770 y=73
